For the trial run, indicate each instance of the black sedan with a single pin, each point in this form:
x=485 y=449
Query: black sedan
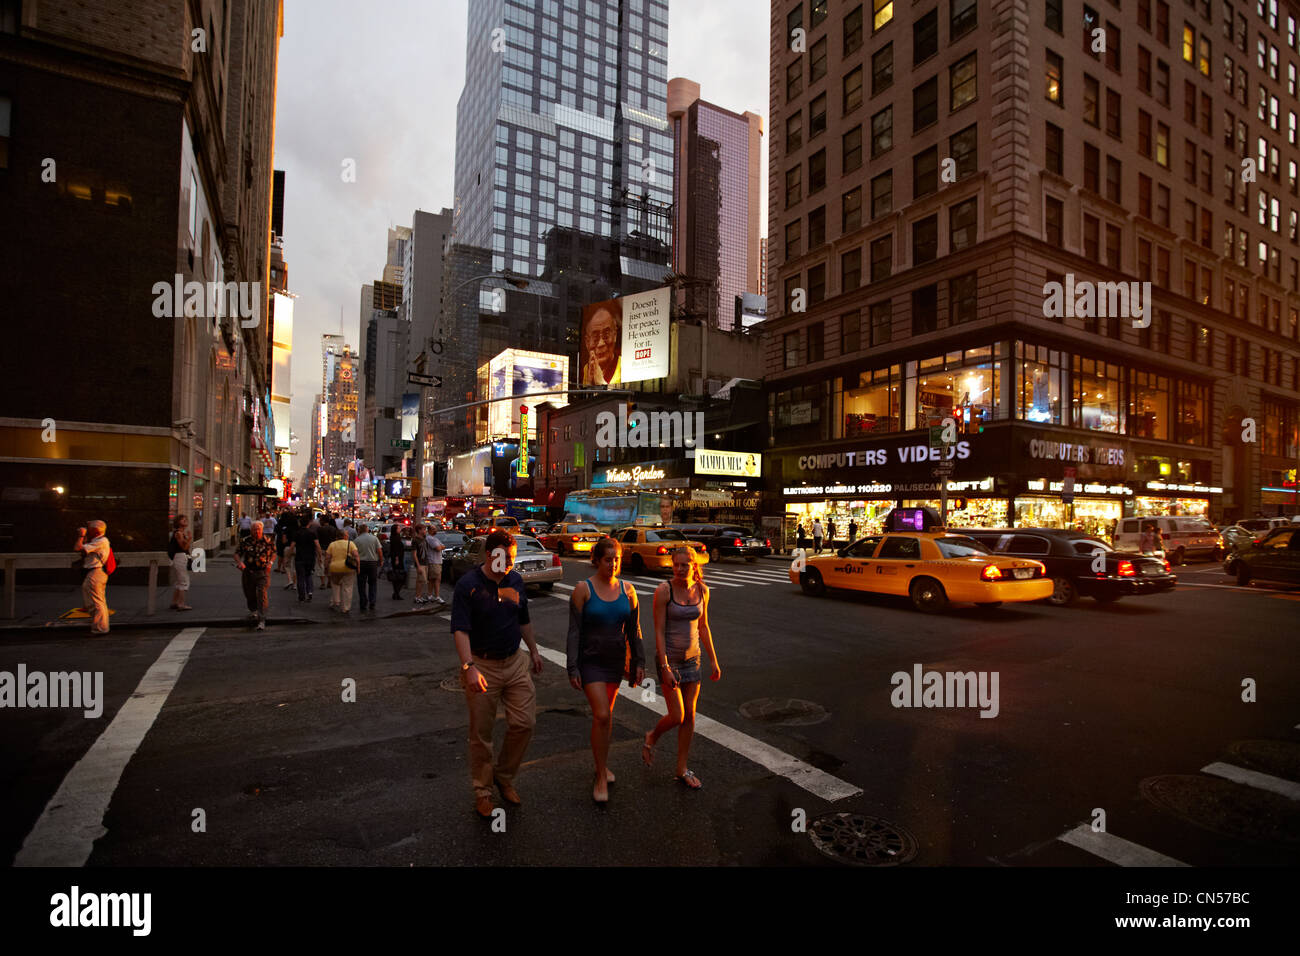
x=726 y=541
x=1274 y=557
x=1079 y=565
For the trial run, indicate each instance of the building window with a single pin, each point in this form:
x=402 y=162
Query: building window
x=793 y=131
x=1113 y=122
x=1114 y=178
x=817 y=171
x=1055 y=213
x=1055 y=149
x=925 y=240
x=1150 y=405
x=1162 y=82
x=1091 y=96
x=816 y=284
x=850 y=333
x=792 y=287
x=1039 y=389
x=793 y=186
x=1055 y=69
x=1053 y=19
x=882 y=11
x=816 y=342
x=816 y=228
x=1191 y=413
x=820 y=10
x=853 y=31
x=1096 y=395
x=791 y=341
x=852 y=210
x=793 y=238
x=872 y=406
x=851 y=270
x=852 y=145
x=882 y=194
x=882 y=323
x=1113 y=41
x=925 y=310
x=1092 y=238
x=882 y=131
x=925 y=36
x=963 y=298
x=963 y=148
x=817 y=116
x=1162 y=145
x=817 y=62
x=1144 y=195
x=853 y=90
x=882 y=254
x=961 y=82
x=882 y=68
x=925 y=104
x=1144 y=133
x=962 y=16
x=1091 y=168
x=925 y=172
x=1113 y=240
x=794 y=79
x=962 y=223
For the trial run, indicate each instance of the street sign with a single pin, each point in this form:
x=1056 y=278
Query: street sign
x=1067 y=486
x=433 y=381
x=943 y=469
x=400 y=442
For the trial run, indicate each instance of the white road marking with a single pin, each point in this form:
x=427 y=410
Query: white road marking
x=1226 y=587
x=1253 y=778
x=1115 y=849
x=805 y=775
x=73 y=820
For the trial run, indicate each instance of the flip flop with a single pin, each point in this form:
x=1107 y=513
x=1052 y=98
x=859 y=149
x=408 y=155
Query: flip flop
x=686 y=778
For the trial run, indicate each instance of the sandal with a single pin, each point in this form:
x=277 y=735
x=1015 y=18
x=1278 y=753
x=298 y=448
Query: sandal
x=689 y=780
x=648 y=753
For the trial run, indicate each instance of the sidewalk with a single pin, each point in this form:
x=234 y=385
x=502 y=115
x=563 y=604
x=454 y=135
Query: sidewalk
x=216 y=595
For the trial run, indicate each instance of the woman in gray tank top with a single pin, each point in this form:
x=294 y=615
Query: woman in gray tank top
x=681 y=613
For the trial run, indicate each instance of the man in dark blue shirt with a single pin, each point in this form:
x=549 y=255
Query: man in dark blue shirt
x=489 y=619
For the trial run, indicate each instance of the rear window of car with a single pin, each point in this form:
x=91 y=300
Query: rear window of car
x=667 y=534
x=958 y=547
x=1088 y=545
x=528 y=544
x=1028 y=544
x=581 y=529
x=1196 y=525
x=736 y=532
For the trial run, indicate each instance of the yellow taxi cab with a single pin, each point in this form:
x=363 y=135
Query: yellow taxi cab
x=917 y=558
x=571 y=537
x=652 y=548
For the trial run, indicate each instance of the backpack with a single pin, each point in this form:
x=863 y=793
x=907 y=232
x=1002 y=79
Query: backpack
x=110 y=563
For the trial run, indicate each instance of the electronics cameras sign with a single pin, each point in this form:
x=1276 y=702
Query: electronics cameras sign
x=739 y=463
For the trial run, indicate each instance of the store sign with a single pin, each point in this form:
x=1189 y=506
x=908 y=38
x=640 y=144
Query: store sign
x=741 y=463
x=1087 y=488
x=906 y=454
x=1201 y=489
x=1076 y=453
x=636 y=474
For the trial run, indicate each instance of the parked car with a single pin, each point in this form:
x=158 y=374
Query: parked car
x=568 y=537
x=1275 y=557
x=535 y=564
x=1263 y=524
x=1181 y=537
x=652 y=548
x=725 y=541
x=1071 y=561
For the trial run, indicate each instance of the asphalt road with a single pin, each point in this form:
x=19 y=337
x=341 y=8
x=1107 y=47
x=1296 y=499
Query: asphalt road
x=1116 y=709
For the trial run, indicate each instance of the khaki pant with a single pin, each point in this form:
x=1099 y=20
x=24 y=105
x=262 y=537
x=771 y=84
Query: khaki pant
x=93 y=598
x=511 y=682
x=342 y=585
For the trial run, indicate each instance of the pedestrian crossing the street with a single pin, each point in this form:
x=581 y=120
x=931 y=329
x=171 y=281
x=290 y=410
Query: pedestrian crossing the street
x=728 y=576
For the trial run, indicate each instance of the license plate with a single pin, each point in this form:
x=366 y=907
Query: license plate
x=1153 y=571
x=1023 y=573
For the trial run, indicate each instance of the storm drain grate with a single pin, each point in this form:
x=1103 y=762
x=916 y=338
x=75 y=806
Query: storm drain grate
x=1226 y=808
x=790 y=711
x=860 y=840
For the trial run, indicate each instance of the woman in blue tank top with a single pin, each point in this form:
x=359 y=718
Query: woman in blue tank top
x=604 y=644
x=681 y=612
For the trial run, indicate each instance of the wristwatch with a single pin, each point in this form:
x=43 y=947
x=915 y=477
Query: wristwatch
x=467 y=665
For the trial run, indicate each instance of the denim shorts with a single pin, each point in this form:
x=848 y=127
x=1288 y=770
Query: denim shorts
x=687 y=672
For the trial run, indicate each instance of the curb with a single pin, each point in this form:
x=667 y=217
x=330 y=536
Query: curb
x=174 y=623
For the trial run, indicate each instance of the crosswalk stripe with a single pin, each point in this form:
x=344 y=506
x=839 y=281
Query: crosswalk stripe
x=1253 y=778
x=746 y=576
x=1115 y=849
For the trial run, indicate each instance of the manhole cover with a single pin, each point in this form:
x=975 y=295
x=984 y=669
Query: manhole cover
x=1226 y=808
x=789 y=711
x=452 y=684
x=1281 y=758
x=860 y=840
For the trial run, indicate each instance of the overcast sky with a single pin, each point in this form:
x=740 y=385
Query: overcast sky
x=378 y=83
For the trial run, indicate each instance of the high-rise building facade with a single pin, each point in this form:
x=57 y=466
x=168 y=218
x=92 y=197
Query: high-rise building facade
x=135 y=142
x=716 y=196
x=961 y=197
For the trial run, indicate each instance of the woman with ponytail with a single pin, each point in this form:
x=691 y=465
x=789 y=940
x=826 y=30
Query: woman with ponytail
x=681 y=612
x=604 y=646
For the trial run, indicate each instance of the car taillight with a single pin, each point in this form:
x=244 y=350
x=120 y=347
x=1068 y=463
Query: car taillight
x=737 y=543
x=767 y=542
x=1168 y=569
x=1126 y=569
x=991 y=572
x=555 y=561
x=573 y=537
x=661 y=550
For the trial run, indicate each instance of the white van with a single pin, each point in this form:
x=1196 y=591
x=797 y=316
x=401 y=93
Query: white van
x=1181 y=537
x=1264 y=525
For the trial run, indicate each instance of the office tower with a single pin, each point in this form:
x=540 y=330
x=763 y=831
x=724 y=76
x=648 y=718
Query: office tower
x=947 y=180
x=716 y=193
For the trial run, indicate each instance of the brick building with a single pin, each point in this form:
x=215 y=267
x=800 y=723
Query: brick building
x=934 y=166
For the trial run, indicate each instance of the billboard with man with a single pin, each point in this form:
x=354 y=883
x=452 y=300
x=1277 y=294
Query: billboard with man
x=625 y=340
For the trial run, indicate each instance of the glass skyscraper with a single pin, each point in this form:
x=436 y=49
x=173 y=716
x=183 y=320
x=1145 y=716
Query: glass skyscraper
x=563 y=123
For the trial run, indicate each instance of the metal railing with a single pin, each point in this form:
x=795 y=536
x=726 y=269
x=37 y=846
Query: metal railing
x=33 y=561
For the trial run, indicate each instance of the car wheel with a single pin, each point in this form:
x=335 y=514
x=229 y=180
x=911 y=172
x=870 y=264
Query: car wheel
x=1178 y=557
x=928 y=595
x=1064 y=593
x=1243 y=575
x=547 y=585
x=812 y=583
x=990 y=604
x=714 y=555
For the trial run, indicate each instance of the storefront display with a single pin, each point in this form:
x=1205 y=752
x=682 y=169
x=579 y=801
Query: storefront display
x=1149 y=507
x=975 y=513
x=1093 y=515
